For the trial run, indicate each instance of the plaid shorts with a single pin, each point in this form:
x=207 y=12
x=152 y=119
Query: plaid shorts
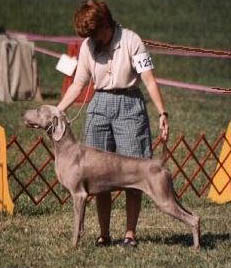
x=118 y=122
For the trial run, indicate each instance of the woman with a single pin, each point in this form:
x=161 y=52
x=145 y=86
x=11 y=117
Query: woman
x=116 y=59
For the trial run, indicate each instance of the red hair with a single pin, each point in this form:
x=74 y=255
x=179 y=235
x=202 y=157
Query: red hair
x=91 y=17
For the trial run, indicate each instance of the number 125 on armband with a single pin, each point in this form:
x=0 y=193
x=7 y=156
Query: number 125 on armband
x=143 y=62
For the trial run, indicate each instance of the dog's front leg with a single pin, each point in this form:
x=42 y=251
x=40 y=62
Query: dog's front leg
x=79 y=200
x=81 y=227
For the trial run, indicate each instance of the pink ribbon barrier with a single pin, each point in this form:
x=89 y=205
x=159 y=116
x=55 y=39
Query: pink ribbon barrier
x=195 y=87
x=47 y=52
x=161 y=81
x=46 y=38
x=165 y=48
x=183 y=53
x=157 y=47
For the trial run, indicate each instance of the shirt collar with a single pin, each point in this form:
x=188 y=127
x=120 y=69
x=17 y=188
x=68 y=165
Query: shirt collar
x=115 y=42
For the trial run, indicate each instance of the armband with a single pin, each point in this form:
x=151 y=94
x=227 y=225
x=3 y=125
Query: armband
x=143 y=62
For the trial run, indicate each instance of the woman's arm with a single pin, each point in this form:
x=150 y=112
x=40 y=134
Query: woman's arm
x=70 y=96
x=155 y=94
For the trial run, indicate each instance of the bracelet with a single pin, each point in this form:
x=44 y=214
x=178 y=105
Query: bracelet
x=164 y=113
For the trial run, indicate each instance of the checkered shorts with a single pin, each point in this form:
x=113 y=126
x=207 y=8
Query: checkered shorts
x=118 y=122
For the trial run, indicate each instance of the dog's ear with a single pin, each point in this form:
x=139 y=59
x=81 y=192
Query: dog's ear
x=59 y=128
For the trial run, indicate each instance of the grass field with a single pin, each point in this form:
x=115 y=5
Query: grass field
x=41 y=236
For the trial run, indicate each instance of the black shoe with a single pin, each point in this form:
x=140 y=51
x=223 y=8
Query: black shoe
x=129 y=242
x=103 y=241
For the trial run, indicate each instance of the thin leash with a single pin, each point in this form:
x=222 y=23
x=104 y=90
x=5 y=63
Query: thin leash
x=83 y=103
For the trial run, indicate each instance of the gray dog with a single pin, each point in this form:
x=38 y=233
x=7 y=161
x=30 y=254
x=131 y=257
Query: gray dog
x=84 y=170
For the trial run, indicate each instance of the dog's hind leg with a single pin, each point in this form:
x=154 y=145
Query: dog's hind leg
x=162 y=192
x=178 y=212
x=79 y=205
x=195 y=227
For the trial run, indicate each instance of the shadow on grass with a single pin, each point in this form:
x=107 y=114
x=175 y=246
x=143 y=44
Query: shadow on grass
x=208 y=240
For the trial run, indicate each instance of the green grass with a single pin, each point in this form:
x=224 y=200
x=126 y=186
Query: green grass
x=43 y=240
x=39 y=236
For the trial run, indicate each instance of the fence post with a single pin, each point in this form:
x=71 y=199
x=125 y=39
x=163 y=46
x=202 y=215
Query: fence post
x=6 y=203
x=222 y=179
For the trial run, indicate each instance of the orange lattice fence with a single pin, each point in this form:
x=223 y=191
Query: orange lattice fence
x=31 y=172
x=193 y=165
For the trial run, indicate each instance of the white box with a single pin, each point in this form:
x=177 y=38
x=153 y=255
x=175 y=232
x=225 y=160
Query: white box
x=66 y=64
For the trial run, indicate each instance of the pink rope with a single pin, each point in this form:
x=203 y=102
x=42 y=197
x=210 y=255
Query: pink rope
x=185 y=49
x=161 y=81
x=197 y=87
x=46 y=38
x=158 y=47
x=47 y=52
x=183 y=53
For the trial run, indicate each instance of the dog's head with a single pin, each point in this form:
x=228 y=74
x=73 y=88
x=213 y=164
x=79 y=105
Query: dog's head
x=47 y=117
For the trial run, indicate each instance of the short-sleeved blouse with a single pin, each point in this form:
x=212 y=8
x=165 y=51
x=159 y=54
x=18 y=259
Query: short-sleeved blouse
x=113 y=67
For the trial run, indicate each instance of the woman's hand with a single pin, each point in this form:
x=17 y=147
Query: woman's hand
x=150 y=82
x=164 y=128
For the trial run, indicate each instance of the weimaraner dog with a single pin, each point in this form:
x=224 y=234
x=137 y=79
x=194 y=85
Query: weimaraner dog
x=84 y=170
